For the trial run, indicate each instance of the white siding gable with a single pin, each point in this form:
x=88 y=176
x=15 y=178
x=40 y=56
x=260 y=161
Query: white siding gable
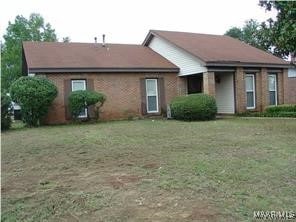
x=187 y=63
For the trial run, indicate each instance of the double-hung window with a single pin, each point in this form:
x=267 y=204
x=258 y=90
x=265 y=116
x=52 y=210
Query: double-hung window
x=272 y=88
x=80 y=85
x=250 y=90
x=151 y=96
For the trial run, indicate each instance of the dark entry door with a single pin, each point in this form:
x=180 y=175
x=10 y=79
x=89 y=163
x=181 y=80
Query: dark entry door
x=194 y=84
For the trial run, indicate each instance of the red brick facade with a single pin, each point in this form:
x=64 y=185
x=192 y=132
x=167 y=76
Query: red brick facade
x=290 y=89
x=261 y=88
x=121 y=89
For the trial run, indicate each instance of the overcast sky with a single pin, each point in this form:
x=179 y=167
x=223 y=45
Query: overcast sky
x=128 y=21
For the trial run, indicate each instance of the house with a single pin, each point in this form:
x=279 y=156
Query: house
x=141 y=80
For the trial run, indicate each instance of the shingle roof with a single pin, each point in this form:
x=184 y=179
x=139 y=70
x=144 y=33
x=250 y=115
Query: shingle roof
x=217 y=48
x=93 y=56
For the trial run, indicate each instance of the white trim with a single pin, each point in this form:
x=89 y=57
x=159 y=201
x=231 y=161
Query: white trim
x=84 y=84
x=77 y=81
x=253 y=91
x=275 y=86
x=157 y=108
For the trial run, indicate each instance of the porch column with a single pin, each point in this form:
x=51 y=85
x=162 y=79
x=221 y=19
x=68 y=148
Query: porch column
x=182 y=86
x=209 y=83
x=264 y=88
x=240 y=92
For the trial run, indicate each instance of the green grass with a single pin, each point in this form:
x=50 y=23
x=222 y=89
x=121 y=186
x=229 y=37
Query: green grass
x=149 y=170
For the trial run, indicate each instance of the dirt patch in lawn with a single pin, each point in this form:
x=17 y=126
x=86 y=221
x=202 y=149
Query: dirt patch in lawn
x=118 y=181
x=151 y=166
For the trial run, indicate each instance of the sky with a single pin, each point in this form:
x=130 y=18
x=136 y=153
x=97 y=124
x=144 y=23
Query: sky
x=128 y=21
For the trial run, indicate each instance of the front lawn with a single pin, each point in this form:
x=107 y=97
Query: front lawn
x=149 y=171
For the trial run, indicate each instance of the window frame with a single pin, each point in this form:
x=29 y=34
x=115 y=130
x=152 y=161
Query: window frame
x=275 y=90
x=253 y=91
x=147 y=101
x=84 y=83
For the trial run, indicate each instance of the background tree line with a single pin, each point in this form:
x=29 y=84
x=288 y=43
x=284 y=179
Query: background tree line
x=32 y=29
x=276 y=36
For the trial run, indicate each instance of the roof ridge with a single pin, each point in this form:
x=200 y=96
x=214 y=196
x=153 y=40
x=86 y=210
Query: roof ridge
x=86 y=43
x=185 y=32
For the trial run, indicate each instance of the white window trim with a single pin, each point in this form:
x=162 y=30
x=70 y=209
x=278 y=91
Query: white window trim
x=157 y=108
x=253 y=91
x=276 y=96
x=84 y=83
x=78 y=81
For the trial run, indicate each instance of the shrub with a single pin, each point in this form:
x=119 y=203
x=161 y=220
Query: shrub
x=284 y=110
x=81 y=99
x=194 y=107
x=5 y=112
x=34 y=95
x=281 y=108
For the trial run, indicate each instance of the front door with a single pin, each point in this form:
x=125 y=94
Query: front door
x=224 y=93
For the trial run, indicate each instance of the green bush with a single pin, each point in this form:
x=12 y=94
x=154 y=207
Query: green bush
x=281 y=108
x=285 y=110
x=81 y=99
x=34 y=95
x=5 y=112
x=194 y=107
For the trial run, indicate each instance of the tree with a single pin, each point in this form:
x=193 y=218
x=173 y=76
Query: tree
x=5 y=112
x=281 y=33
x=235 y=32
x=32 y=29
x=34 y=95
x=276 y=36
x=250 y=33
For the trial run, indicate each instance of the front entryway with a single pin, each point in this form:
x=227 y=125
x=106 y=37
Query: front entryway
x=194 y=84
x=224 y=87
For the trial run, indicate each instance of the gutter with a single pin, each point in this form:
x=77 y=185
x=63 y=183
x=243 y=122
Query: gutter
x=101 y=70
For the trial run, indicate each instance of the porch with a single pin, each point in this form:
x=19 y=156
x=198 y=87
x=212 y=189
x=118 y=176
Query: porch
x=218 y=84
x=240 y=89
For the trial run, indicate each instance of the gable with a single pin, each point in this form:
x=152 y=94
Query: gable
x=187 y=63
x=218 y=50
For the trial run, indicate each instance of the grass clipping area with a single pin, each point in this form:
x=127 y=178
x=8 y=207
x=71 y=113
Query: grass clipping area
x=149 y=171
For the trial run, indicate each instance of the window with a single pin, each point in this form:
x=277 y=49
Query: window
x=250 y=90
x=272 y=87
x=80 y=85
x=151 y=95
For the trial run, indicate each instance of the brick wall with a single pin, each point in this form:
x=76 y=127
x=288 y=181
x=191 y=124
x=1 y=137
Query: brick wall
x=286 y=89
x=121 y=89
x=209 y=83
x=240 y=92
x=291 y=94
x=290 y=88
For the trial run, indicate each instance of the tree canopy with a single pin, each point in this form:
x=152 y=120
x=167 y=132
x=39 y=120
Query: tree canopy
x=22 y=29
x=277 y=36
x=281 y=32
x=34 y=95
x=250 y=33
